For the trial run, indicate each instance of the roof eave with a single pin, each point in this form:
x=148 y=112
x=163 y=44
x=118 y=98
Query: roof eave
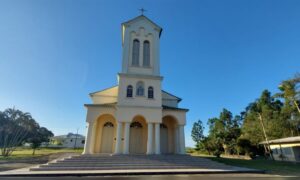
x=91 y=94
x=112 y=105
x=175 y=108
x=178 y=98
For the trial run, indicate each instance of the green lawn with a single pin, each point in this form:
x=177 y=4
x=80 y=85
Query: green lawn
x=21 y=153
x=272 y=167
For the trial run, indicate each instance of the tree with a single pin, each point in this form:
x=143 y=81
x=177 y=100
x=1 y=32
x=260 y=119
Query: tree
x=13 y=129
x=197 y=133
x=262 y=119
x=16 y=127
x=244 y=146
x=268 y=117
x=208 y=145
x=225 y=131
x=289 y=91
x=40 y=135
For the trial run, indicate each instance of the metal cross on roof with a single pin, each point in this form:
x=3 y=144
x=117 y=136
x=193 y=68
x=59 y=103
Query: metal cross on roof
x=142 y=10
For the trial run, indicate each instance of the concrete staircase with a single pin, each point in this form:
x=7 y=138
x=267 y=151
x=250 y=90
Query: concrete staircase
x=132 y=162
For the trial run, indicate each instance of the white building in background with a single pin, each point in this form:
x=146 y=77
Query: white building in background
x=67 y=141
x=136 y=116
x=285 y=149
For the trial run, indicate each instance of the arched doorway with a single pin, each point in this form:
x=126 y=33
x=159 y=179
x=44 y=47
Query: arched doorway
x=138 y=136
x=104 y=134
x=164 y=139
x=169 y=135
x=107 y=138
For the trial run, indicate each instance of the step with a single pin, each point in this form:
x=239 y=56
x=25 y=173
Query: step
x=117 y=165
x=107 y=163
x=130 y=159
x=107 y=168
x=124 y=162
x=121 y=163
x=151 y=162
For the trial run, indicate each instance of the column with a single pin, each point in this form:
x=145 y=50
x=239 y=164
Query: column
x=126 y=138
x=118 y=138
x=150 y=142
x=157 y=138
x=88 y=137
x=177 y=146
x=181 y=139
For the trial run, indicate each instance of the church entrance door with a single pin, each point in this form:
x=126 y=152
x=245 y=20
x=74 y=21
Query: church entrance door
x=107 y=138
x=164 y=139
x=136 y=138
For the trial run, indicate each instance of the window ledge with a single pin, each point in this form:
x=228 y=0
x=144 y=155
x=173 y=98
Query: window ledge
x=135 y=66
x=145 y=67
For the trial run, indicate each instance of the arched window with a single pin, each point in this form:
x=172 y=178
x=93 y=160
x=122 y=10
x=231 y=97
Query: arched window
x=150 y=92
x=140 y=88
x=135 y=52
x=136 y=125
x=146 y=54
x=163 y=126
x=129 y=91
x=108 y=124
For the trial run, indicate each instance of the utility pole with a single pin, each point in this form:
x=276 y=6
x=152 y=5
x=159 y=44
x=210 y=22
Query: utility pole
x=76 y=138
x=265 y=134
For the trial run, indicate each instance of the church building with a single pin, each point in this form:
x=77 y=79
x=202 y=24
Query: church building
x=136 y=116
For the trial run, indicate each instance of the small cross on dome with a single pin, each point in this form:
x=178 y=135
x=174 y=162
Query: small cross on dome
x=142 y=11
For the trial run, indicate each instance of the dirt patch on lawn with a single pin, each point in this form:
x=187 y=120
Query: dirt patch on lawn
x=10 y=164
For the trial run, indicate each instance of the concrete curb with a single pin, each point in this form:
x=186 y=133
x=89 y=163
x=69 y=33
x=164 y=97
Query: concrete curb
x=127 y=172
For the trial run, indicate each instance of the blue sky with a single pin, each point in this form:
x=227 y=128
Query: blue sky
x=214 y=54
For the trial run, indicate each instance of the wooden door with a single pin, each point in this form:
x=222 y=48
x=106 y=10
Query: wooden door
x=107 y=138
x=136 y=138
x=164 y=139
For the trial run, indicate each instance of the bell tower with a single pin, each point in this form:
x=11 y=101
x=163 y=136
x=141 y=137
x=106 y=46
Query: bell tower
x=140 y=42
x=140 y=80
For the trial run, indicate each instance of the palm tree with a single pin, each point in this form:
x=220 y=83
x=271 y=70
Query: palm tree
x=290 y=91
x=14 y=130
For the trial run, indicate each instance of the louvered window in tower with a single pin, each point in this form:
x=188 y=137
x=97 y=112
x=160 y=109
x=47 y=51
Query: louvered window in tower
x=135 y=52
x=146 y=54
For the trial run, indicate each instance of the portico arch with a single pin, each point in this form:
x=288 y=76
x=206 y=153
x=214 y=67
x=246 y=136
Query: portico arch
x=169 y=135
x=105 y=134
x=138 y=135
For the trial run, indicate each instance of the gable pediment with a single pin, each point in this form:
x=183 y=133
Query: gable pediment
x=143 y=19
x=140 y=20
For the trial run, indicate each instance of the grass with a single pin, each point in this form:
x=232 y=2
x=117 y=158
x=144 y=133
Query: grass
x=22 y=153
x=271 y=167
